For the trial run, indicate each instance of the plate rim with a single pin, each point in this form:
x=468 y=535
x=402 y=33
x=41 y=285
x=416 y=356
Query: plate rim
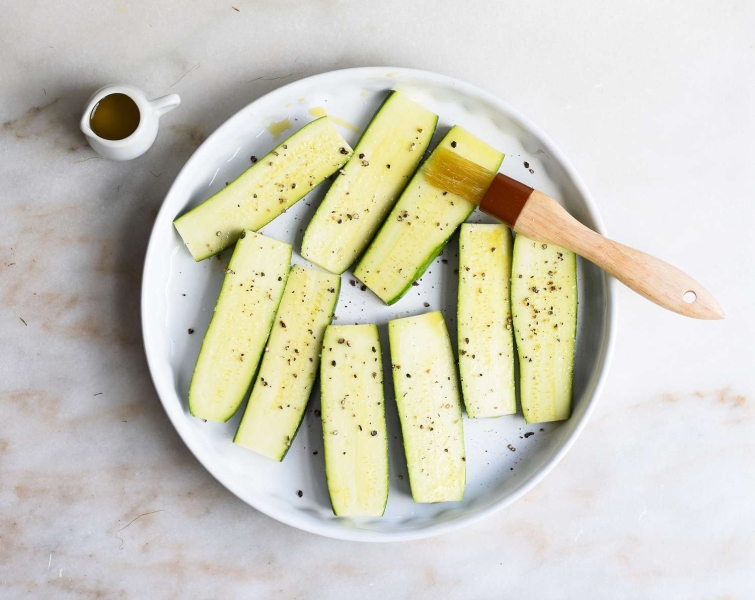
x=608 y=341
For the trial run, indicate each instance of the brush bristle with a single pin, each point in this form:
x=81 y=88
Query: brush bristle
x=448 y=171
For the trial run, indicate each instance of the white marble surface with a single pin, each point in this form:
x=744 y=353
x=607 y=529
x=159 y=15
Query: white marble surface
x=654 y=103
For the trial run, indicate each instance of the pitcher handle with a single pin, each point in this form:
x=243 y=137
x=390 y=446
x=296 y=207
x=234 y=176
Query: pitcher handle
x=164 y=104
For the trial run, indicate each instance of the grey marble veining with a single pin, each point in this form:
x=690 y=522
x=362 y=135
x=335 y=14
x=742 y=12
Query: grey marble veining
x=99 y=498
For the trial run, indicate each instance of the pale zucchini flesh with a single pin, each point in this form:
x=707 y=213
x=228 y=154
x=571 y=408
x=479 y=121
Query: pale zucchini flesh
x=544 y=307
x=240 y=325
x=485 y=332
x=290 y=363
x=429 y=407
x=353 y=420
x=421 y=223
x=369 y=185
x=265 y=190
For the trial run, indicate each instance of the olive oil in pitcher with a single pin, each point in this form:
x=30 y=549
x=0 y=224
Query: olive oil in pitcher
x=115 y=117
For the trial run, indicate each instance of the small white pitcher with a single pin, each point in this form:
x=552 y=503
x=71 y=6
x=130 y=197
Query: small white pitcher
x=138 y=142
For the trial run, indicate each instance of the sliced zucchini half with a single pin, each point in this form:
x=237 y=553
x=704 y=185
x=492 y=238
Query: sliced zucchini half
x=290 y=363
x=369 y=185
x=429 y=407
x=265 y=190
x=231 y=349
x=544 y=307
x=485 y=333
x=353 y=420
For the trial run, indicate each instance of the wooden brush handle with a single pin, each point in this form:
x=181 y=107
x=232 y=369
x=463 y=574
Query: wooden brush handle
x=543 y=219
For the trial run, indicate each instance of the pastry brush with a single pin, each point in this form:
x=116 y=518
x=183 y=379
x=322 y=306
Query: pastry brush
x=539 y=217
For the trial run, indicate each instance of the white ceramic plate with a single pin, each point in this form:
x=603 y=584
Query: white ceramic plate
x=178 y=294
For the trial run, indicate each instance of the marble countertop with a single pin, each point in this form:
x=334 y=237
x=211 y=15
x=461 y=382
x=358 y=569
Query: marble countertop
x=99 y=498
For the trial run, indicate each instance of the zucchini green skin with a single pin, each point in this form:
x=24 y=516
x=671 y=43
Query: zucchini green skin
x=235 y=338
x=544 y=310
x=265 y=190
x=355 y=439
x=290 y=364
x=485 y=332
x=383 y=162
x=420 y=224
x=429 y=407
